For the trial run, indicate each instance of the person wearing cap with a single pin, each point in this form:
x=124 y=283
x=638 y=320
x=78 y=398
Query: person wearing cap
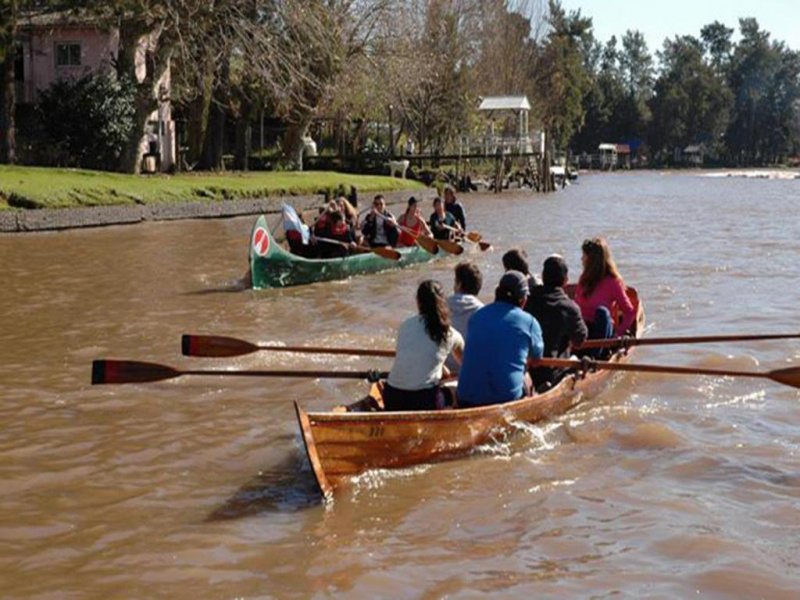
x=454 y=207
x=412 y=224
x=559 y=317
x=501 y=338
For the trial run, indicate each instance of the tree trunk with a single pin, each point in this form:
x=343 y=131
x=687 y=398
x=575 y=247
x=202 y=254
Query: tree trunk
x=215 y=139
x=156 y=62
x=8 y=133
x=244 y=136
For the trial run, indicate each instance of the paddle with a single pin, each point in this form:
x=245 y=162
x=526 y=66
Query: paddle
x=429 y=243
x=425 y=242
x=221 y=346
x=790 y=376
x=387 y=253
x=626 y=342
x=131 y=371
x=472 y=236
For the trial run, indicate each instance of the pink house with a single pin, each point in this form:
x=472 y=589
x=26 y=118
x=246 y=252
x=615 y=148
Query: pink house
x=59 y=45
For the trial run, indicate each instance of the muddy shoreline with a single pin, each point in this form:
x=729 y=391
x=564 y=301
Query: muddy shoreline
x=55 y=219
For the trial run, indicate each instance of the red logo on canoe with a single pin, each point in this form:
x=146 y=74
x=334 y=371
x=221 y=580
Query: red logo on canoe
x=260 y=241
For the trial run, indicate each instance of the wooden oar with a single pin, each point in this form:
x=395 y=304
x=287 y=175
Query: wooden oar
x=425 y=242
x=429 y=243
x=221 y=346
x=625 y=342
x=472 y=236
x=790 y=376
x=131 y=371
x=388 y=253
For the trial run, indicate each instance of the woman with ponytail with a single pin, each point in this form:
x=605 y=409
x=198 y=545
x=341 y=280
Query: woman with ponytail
x=423 y=343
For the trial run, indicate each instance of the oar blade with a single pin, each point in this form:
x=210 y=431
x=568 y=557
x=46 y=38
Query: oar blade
x=428 y=244
x=790 y=376
x=129 y=371
x=215 y=346
x=484 y=246
x=450 y=247
x=387 y=253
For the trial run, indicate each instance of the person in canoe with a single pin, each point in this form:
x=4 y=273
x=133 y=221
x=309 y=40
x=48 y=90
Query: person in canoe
x=454 y=207
x=600 y=292
x=412 y=224
x=464 y=302
x=516 y=259
x=380 y=227
x=502 y=337
x=442 y=223
x=423 y=343
x=558 y=316
x=337 y=239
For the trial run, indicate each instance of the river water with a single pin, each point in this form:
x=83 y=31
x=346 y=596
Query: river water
x=665 y=486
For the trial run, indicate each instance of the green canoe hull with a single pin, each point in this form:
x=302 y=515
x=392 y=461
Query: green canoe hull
x=271 y=266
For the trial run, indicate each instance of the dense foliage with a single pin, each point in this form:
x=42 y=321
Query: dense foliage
x=86 y=122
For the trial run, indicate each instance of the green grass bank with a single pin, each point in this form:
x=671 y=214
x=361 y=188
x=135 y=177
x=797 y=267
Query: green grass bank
x=36 y=187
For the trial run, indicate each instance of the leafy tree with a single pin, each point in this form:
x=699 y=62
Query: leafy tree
x=690 y=103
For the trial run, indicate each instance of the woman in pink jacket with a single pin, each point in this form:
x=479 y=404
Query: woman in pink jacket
x=600 y=292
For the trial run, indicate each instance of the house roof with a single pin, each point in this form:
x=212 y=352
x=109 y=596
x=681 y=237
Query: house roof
x=505 y=103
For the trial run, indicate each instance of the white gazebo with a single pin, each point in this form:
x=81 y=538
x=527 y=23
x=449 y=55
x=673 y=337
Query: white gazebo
x=520 y=106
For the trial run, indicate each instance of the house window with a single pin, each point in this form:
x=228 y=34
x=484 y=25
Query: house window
x=68 y=55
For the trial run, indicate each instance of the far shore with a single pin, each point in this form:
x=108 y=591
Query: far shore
x=38 y=199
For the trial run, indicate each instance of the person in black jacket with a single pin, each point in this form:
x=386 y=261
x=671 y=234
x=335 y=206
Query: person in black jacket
x=559 y=317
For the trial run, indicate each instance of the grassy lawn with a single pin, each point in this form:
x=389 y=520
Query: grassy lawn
x=35 y=187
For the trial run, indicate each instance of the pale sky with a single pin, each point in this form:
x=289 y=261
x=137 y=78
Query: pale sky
x=659 y=19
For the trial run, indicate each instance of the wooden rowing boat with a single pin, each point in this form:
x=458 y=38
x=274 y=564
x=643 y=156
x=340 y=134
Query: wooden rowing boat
x=341 y=445
x=271 y=266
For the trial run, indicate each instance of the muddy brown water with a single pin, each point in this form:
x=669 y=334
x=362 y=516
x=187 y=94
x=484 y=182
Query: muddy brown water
x=665 y=486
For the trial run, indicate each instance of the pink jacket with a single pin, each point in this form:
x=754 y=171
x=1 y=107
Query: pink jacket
x=607 y=292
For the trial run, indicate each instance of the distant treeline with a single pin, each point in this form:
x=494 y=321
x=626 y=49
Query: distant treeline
x=368 y=76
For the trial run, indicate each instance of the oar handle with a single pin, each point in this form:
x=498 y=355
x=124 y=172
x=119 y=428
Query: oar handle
x=624 y=342
x=321 y=350
x=370 y=375
x=640 y=368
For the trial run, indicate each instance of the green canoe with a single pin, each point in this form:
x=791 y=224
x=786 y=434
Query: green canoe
x=271 y=266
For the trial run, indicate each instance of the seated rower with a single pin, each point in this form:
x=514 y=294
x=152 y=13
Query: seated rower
x=423 y=343
x=442 y=223
x=600 y=290
x=336 y=231
x=516 y=259
x=559 y=317
x=379 y=227
x=502 y=337
x=464 y=302
x=412 y=224
x=454 y=207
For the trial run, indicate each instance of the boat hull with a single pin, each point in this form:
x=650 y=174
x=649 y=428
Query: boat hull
x=271 y=266
x=343 y=445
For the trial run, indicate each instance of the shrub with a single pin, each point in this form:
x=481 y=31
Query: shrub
x=87 y=122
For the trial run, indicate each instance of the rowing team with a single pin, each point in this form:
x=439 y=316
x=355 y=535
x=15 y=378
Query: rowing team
x=338 y=231
x=489 y=346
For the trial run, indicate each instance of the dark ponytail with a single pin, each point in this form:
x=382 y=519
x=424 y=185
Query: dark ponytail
x=433 y=309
